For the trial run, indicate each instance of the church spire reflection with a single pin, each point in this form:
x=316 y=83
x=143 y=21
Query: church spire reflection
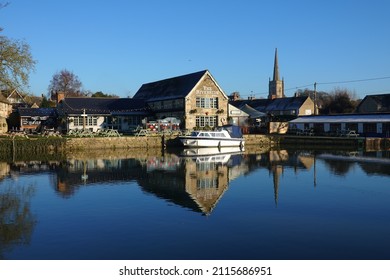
x=193 y=179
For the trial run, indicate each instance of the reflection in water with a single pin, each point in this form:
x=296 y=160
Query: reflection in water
x=196 y=178
x=16 y=220
x=89 y=200
x=371 y=162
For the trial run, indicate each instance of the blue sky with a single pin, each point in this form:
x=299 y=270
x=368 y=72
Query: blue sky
x=116 y=46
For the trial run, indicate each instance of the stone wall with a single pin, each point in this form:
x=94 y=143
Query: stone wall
x=25 y=146
x=101 y=143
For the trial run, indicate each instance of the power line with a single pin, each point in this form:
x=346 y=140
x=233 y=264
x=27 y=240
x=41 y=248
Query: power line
x=323 y=83
x=339 y=82
x=353 y=81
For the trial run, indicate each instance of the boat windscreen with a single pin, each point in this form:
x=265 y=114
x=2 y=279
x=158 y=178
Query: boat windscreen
x=234 y=131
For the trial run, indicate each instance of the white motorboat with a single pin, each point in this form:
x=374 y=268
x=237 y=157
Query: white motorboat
x=224 y=136
x=211 y=154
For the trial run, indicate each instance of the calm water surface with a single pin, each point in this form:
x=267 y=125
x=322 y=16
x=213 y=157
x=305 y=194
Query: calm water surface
x=285 y=204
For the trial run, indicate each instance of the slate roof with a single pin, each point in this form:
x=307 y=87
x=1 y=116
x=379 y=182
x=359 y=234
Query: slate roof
x=172 y=88
x=382 y=101
x=37 y=112
x=100 y=106
x=345 y=118
x=269 y=105
x=253 y=113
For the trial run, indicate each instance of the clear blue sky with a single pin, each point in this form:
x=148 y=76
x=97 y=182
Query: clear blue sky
x=116 y=46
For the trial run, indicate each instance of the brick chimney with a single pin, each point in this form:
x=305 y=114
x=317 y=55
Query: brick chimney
x=60 y=96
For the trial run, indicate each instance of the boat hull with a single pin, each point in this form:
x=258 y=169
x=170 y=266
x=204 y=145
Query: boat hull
x=211 y=142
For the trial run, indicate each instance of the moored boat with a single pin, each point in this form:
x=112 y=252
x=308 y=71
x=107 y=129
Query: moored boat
x=224 y=136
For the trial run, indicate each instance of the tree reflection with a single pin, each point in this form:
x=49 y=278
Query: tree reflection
x=338 y=167
x=16 y=220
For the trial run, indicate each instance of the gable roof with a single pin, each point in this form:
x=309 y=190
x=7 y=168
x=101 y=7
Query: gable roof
x=93 y=105
x=4 y=100
x=253 y=113
x=269 y=105
x=172 y=88
x=382 y=101
x=14 y=96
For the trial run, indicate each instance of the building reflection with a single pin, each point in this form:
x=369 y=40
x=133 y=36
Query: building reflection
x=192 y=179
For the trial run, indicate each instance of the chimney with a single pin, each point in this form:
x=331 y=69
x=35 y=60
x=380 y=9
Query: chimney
x=60 y=96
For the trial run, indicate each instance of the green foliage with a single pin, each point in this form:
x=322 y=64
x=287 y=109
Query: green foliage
x=45 y=103
x=101 y=94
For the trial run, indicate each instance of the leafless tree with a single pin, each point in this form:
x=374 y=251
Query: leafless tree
x=16 y=62
x=67 y=82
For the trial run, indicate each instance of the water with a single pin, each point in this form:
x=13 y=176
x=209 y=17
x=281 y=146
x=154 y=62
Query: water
x=286 y=204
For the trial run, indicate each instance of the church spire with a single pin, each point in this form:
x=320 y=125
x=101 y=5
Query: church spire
x=276 y=86
x=276 y=67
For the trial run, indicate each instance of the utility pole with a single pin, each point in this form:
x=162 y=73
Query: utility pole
x=315 y=98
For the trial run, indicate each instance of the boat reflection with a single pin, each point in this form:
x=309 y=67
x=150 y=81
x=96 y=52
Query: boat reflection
x=194 y=179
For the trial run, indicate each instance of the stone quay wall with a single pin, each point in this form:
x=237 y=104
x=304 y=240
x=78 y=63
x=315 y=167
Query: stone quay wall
x=146 y=142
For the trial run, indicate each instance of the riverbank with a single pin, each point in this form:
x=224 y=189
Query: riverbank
x=358 y=143
x=23 y=147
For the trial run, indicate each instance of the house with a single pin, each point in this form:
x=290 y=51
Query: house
x=379 y=103
x=3 y=125
x=289 y=107
x=5 y=107
x=96 y=113
x=31 y=119
x=195 y=99
x=15 y=98
x=368 y=125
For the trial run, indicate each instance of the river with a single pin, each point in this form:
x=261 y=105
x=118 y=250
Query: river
x=197 y=204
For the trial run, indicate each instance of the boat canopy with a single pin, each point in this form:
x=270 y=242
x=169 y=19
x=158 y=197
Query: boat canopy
x=234 y=131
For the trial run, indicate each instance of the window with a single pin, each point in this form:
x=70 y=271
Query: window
x=78 y=121
x=202 y=121
x=352 y=126
x=89 y=121
x=369 y=127
x=206 y=183
x=207 y=102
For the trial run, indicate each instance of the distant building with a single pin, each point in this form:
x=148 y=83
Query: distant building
x=288 y=107
x=276 y=86
x=94 y=113
x=30 y=119
x=15 y=98
x=5 y=107
x=379 y=103
x=367 y=125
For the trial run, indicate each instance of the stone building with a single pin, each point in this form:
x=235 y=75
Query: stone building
x=378 y=103
x=195 y=99
x=5 y=107
x=291 y=107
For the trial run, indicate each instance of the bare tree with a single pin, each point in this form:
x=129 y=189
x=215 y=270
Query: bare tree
x=67 y=82
x=16 y=62
x=340 y=101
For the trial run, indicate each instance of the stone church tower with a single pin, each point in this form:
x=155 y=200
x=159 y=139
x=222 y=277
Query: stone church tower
x=276 y=86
